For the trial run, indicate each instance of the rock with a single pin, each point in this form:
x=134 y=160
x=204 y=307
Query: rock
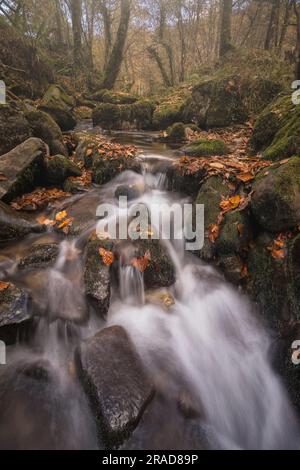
x=14 y=128
x=124 y=116
x=23 y=167
x=115 y=381
x=44 y=127
x=274 y=284
x=232 y=267
x=83 y=112
x=59 y=168
x=210 y=195
x=59 y=105
x=216 y=103
x=103 y=170
x=113 y=97
x=182 y=181
x=276 y=200
x=234 y=233
x=14 y=312
x=205 y=148
x=132 y=191
x=13 y=226
x=40 y=256
x=96 y=276
x=277 y=130
x=176 y=132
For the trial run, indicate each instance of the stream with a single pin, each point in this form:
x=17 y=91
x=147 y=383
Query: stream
x=210 y=349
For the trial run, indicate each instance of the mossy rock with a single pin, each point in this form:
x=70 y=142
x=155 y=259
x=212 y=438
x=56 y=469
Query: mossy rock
x=105 y=169
x=210 y=195
x=176 y=132
x=234 y=233
x=14 y=312
x=216 y=102
x=277 y=130
x=113 y=97
x=274 y=284
x=13 y=226
x=171 y=107
x=276 y=200
x=14 y=128
x=59 y=105
x=43 y=126
x=206 y=148
x=83 y=112
x=128 y=116
x=59 y=168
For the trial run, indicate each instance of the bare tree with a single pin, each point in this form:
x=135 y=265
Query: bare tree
x=225 y=28
x=76 y=13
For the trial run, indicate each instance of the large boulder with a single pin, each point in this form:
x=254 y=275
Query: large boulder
x=59 y=105
x=137 y=115
x=44 y=127
x=112 y=97
x=59 y=168
x=96 y=276
x=216 y=103
x=276 y=199
x=14 y=226
x=39 y=256
x=115 y=381
x=105 y=169
x=277 y=130
x=22 y=168
x=14 y=128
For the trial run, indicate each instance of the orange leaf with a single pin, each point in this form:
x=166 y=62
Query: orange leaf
x=2 y=177
x=231 y=203
x=244 y=271
x=245 y=177
x=278 y=254
x=107 y=256
x=141 y=264
x=4 y=285
x=213 y=232
x=42 y=220
x=61 y=215
x=240 y=228
x=66 y=223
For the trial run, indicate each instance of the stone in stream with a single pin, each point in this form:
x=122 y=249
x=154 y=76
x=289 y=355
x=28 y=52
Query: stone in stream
x=14 y=128
x=44 y=127
x=96 y=276
x=115 y=381
x=14 y=226
x=22 y=168
x=40 y=256
x=275 y=203
x=15 y=314
x=59 y=105
x=59 y=168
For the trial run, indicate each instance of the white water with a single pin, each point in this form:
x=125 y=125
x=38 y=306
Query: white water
x=210 y=344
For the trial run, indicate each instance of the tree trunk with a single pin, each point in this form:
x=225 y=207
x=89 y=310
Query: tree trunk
x=59 y=27
x=76 y=13
x=297 y=51
x=272 y=25
x=181 y=31
x=116 y=57
x=155 y=55
x=106 y=16
x=284 y=28
x=225 y=32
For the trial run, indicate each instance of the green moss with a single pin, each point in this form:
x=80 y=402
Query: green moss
x=176 y=132
x=59 y=168
x=113 y=97
x=204 y=148
x=115 y=116
x=232 y=239
x=277 y=130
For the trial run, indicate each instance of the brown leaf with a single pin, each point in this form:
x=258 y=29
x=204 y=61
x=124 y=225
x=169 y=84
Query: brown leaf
x=241 y=228
x=3 y=177
x=213 y=232
x=245 y=177
x=66 y=223
x=141 y=264
x=42 y=220
x=108 y=257
x=231 y=203
x=4 y=285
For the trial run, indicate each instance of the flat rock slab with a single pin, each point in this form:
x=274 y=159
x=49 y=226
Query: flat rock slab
x=115 y=381
x=14 y=226
x=21 y=168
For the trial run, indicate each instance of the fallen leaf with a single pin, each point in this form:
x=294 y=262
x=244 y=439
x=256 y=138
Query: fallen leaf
x=3 y=177
x=245 y=177
x=231 y=203
x=4 y=285
x=66 y=223
x=61 y=215
x=142 y=263
x=42 y=220
x=241 y=228
x=278 y=254
x=244 y=271
x=213 y=232
x=108 y=257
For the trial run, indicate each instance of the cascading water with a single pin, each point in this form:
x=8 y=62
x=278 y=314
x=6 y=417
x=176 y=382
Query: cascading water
x=209 y=347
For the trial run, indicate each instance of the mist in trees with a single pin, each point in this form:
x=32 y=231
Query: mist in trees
x=141 y=45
